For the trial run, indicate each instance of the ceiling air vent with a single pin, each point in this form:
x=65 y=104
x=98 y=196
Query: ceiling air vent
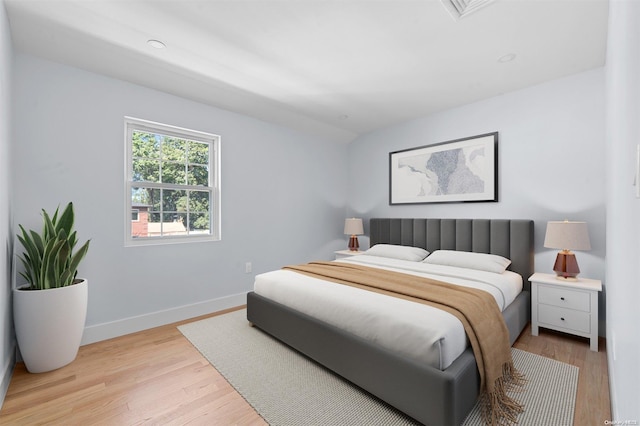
x=460 y=8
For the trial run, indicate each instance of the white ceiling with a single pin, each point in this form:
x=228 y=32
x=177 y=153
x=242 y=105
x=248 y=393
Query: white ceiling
x=333 y=68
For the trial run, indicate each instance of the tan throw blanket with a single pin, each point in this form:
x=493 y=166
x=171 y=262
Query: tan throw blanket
x=476 y=309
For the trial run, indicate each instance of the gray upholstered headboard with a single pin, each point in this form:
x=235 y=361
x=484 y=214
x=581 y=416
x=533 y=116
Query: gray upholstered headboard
x=512 y=239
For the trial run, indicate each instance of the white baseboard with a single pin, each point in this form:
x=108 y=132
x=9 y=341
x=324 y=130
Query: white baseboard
x=108 y=330
x=7 y=372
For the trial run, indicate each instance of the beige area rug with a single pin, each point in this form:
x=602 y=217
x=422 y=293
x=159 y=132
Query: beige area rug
x=287 y=388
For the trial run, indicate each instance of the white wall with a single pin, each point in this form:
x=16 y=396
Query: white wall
x=551 y=162
x=623 y=209
x=7 y=340
x=283 y=195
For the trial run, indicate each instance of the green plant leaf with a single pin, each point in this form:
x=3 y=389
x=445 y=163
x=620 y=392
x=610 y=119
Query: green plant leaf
x=53 y=266
x=37 y=241
x=29 y=247
x=66 y=220
x=27 y=274
x=77 y=258
x=73 y=240
x=66 y=278
x=62 y=258
x=32 y=256
x=54 y=219
x=49 y=230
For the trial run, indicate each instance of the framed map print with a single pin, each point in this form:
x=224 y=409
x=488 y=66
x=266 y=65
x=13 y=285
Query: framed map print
x=462 y=170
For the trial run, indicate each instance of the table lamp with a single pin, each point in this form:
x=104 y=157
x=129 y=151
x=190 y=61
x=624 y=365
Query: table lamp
x=567 y=236
x=353 y=226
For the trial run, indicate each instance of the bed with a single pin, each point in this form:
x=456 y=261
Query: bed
x=428 y=394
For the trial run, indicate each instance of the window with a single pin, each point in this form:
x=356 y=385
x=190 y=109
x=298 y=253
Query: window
x=172 y=184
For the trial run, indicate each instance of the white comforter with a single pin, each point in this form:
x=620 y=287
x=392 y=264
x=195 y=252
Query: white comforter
x=415 y=330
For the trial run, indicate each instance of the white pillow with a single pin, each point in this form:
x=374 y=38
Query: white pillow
x=465 y=259
x=414 y=254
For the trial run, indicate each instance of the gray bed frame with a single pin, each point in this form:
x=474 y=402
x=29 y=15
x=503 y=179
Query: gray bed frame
x=429 y=395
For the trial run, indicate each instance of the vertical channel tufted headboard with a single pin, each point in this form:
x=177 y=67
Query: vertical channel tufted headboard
x=511 y=238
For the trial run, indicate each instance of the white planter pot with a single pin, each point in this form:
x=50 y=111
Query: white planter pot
x=49 y=325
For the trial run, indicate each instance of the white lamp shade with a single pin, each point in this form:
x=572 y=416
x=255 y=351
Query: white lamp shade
x=353 y=226
x=567 y=236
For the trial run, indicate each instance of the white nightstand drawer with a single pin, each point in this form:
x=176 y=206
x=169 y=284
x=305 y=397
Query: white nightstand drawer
x=564 y=298
x=564 y=318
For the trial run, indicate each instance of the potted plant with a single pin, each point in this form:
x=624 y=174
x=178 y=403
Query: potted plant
x=50 y=310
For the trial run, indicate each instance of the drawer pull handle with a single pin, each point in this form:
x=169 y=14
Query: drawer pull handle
x=562 y=318
x=562 y=298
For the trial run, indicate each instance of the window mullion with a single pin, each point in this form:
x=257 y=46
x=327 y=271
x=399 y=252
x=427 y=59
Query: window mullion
x=161 y=161
x=161 y=212
x=142 y=184
x=188 y=207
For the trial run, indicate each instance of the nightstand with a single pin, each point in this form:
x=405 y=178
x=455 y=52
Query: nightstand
x=567 y=306
x=341 y=254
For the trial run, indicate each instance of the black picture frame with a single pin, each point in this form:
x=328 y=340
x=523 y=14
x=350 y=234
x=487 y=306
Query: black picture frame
x=457 y=171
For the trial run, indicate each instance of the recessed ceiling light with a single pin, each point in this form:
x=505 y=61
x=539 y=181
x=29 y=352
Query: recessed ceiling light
x=156 y=44
x=507 y=58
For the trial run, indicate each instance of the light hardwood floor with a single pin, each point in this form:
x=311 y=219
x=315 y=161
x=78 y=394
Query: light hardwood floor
x=157 y=377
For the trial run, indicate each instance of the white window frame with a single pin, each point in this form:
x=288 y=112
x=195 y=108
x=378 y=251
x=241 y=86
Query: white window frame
x=132 y=124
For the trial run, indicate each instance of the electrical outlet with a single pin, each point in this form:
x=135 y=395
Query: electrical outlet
x=247 y=268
